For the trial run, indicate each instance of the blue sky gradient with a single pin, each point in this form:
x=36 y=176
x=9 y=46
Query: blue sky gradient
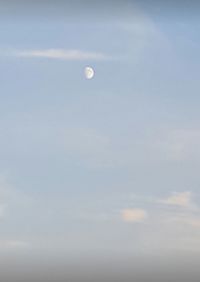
x=108 y=165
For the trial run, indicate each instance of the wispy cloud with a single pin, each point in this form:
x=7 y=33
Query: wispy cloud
x=179 y=199
x=61 y=54
x=13 y=244
x=133 y=215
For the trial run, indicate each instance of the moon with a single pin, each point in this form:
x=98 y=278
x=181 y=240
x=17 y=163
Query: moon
x=89 y=72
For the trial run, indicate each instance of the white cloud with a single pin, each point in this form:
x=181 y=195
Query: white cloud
x=179 y=199
x=133 y=215
x=61 y=54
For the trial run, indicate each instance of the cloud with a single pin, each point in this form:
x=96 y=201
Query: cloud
x=133 y=215
x=61 y=54
x=13 y=244
x=179 y=199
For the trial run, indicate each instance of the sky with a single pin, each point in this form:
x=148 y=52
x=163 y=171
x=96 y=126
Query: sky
x=107 y=167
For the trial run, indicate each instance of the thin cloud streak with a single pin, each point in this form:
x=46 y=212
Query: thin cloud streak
x=179 y=199
x=13 y=244
x=61 y=54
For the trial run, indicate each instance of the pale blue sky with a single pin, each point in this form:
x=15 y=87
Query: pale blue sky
x=104 y=165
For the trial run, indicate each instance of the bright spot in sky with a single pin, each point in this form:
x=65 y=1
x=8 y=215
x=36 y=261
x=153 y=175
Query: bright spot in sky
x=89 y=72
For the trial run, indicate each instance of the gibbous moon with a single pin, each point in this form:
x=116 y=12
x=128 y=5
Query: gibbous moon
x=89 y=72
